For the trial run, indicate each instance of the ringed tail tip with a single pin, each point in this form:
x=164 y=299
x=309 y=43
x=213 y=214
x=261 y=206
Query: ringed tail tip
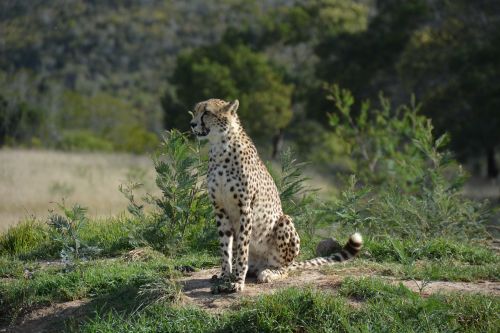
x=356 y=238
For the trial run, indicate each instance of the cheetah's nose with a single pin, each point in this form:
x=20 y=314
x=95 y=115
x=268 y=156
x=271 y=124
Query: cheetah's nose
x=192 y=124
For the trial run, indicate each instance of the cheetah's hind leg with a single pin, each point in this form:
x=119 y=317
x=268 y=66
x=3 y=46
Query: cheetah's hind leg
x=287 y=241
x=287 y=249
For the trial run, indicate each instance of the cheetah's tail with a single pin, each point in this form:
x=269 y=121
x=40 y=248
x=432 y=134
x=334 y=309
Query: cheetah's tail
x=350 y=250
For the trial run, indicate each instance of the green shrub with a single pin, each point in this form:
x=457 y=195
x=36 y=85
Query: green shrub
x=19 y=121
x=391 y=146
x=406 y=184
x=65 y=231
x=409 y=250
x=135 y=139
x=182 y=216
x=78 y=140
x=297 y=199
x=23 y=238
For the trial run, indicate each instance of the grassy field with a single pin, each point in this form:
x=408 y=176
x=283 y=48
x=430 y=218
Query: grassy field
x=122 y=289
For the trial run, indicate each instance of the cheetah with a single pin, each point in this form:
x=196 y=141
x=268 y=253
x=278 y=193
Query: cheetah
x=256 y=237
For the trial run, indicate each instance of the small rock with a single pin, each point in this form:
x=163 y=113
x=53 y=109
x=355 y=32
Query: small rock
x=27 y=274
x=185 y=269
x=327 y=247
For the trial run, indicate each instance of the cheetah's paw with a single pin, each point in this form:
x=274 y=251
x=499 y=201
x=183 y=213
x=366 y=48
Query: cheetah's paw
x=227 y=287
x=265 y=276
x=221 y=278
x=269 y=275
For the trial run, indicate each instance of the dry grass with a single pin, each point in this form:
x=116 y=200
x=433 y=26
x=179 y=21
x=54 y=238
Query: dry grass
x=32 y=180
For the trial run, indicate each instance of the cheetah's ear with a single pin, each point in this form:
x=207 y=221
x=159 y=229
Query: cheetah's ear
x=233 y=107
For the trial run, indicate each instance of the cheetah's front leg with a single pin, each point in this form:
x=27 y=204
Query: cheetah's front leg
x=225 y=242
x=242 y=249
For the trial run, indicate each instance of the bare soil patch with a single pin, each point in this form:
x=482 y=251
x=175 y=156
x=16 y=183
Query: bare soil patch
x=50 y=318
x=197 y=287
x=433 y=287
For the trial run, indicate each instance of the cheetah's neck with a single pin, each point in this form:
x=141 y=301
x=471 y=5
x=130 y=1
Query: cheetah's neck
x=234 y=141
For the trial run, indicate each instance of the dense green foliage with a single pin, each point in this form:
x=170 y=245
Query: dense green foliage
x=452 y=64
x=182 y=214
x=444 y=51
x=404 y=182
x=230 y=72
x=66 y=71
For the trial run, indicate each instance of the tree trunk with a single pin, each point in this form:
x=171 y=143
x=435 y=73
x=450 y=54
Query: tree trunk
x=277 y=143
x=491 y=163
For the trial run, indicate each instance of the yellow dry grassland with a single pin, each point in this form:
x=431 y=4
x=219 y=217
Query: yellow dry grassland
x=31 y=181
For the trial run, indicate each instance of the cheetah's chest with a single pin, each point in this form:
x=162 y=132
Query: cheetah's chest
x=226 y=190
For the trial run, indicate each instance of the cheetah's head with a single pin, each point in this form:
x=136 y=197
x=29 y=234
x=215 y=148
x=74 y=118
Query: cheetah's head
x=214 y=118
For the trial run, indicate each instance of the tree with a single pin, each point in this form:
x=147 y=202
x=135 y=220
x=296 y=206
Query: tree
x=18 y=121
x=292 y=36
x=229 y=72
x=363 y=60
x=454 y=66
